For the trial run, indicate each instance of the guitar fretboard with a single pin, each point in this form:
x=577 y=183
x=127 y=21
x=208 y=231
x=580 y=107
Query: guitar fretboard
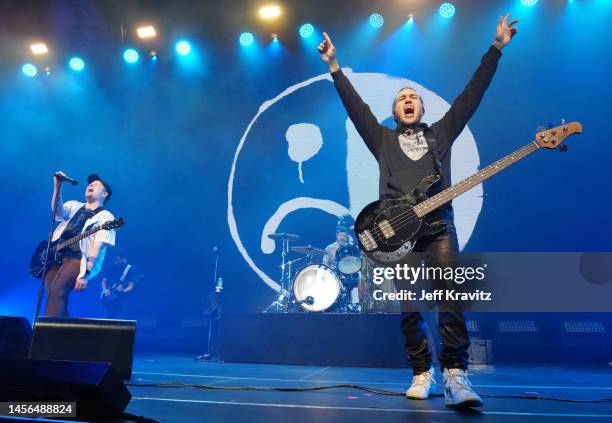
x=459 y=188
x=77 y=238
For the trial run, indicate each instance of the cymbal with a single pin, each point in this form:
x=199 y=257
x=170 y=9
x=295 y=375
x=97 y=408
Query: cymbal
x=308 y=250
x=284 y=235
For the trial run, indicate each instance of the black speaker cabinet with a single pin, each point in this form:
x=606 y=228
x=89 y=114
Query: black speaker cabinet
x=94 y=340
x=94 y=387
x=15 y=337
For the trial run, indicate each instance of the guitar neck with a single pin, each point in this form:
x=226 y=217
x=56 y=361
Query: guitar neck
x=77 y=238
x=448 y=194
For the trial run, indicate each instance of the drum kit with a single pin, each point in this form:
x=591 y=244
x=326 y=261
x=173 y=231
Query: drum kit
x=342 y=287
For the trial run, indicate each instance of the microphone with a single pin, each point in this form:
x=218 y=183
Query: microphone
x=64 y=178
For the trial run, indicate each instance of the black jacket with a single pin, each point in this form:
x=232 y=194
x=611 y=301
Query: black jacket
x=399 y=174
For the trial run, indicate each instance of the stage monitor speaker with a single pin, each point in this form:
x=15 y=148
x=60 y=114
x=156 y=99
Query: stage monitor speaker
x=94 y=340
x=15 y=337
x=94 y=387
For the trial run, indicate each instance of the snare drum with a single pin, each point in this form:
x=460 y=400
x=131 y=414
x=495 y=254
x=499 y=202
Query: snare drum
x=348 y=259
x=316 y=287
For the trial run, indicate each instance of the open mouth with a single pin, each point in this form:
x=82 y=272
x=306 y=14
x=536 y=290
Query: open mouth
x=409 y=111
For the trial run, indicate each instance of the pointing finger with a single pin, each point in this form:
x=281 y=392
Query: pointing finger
x=329 y=41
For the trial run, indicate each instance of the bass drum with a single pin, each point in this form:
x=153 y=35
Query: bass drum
x=316 y=288
x=348 y=259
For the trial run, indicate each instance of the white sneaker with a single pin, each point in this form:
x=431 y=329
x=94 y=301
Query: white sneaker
x=458 y=389
x=422 y=385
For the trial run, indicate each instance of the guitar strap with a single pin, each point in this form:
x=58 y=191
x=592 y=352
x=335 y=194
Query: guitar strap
x=125 y=272
x=90 y=215
x=94 y=213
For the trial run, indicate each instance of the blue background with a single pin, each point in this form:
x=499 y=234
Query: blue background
x=164 y=134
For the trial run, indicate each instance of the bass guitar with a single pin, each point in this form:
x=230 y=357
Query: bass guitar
x=387 y=230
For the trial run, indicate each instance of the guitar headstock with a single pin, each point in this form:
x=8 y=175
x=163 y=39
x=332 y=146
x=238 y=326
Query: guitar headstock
x=113 y=224
x=553 y=137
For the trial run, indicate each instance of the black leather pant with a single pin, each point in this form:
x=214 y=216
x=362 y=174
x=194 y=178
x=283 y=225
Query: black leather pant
x=452 y=327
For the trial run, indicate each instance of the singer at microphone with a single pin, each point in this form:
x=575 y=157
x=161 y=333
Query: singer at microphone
x=82 y=260
x=61 y=176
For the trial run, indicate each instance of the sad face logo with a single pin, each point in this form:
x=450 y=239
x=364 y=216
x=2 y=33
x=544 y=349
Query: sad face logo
x=301 y=163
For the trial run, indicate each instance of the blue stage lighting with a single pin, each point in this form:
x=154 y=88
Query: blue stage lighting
x=306 y=30
x=528 y=2
x=246 y=39
x=183 y=48
x=376 y=20
x=76 y=64
x=29 y=70
x=130 y=55
x=447 y=10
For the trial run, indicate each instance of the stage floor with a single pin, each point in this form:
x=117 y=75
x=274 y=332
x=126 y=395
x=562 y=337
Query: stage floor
x=186 y=404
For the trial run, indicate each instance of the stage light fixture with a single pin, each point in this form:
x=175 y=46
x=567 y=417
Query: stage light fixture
x=39 y=48
x=529 y=2
x=145 y=32
x=183 y=48
x=269 y=12
x=376 y=20
x=76 y=64
x=306 y=30
x=275 y=38
x=130 y=55
x=29 y=70
x=447 y=10
x=411 y=18
x=246 y=39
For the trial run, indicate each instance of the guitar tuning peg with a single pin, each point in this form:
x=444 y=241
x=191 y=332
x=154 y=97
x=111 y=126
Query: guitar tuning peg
x=562 y=121
x=563 y=148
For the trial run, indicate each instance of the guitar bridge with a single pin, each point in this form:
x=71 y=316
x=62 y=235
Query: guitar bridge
x=367 y=240
x=386 y=229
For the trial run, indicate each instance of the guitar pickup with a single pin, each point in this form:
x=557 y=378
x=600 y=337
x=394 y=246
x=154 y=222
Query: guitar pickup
x=367 y=240
x=386 y=229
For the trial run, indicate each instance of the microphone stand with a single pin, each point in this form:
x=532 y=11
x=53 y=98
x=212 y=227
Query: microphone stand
x=41 y=289
x=214 y=314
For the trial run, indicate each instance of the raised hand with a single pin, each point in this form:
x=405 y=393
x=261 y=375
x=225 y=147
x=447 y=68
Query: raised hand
x=504 y=31
x=56 y=176
x=328 y=53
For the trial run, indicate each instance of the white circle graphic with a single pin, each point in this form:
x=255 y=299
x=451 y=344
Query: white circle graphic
x=303 y=141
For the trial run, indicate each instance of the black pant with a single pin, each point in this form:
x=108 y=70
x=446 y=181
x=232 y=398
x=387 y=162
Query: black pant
x=452 y=327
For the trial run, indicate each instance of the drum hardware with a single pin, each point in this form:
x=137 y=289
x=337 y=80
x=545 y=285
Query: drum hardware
x=308 y=250
x=320 y=288
x=281 y=303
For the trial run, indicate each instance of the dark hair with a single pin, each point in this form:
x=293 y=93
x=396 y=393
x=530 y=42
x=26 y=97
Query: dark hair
x=395 y=103
x=341 y=229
